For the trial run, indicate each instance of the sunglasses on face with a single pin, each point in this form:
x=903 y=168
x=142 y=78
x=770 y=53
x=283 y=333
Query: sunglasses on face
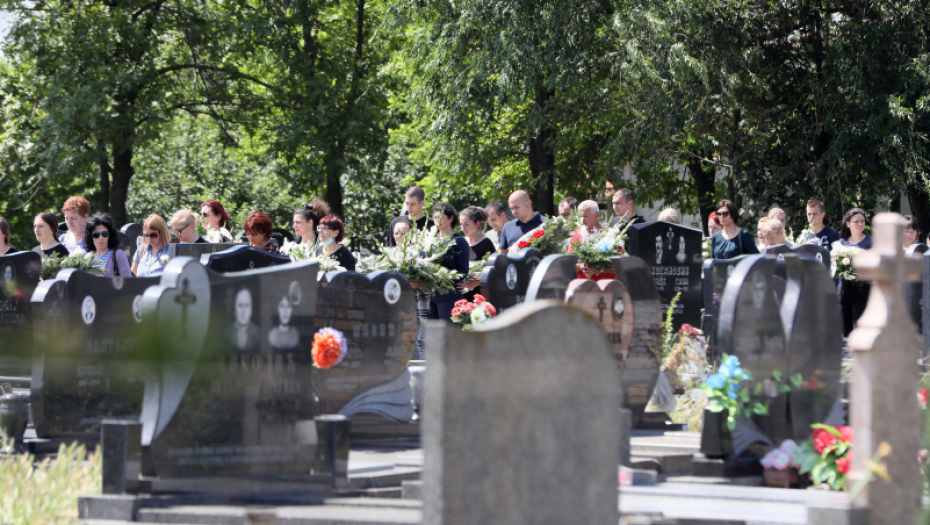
x=723 y=214
x=150 y=235
x=97 y=235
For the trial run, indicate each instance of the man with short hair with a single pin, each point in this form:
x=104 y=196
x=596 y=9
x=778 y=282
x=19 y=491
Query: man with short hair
x=773 y=233
x=525 y=220
x=413 y=201
x=623 y=209
x=497 y=218
x=567 y=205
x=818 y=233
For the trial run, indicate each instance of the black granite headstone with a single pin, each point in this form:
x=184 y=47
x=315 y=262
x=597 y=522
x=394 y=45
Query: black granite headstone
x=914 y=292
x=87 y=327
x=279 y=235
x=716 y=273
x=811 y=319
x=505 y=280
x=640 y=371
x=818 y=252
x=198 y=249
x=926 y=311
x=19 y=277
x=551 y=278
x=749 y=327
x=674 y=255
x=134 y=233
x=242 y=258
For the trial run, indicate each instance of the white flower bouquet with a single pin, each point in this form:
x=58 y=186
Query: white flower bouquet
x=842 y=259
x=84 y=262
x=218 y=236
x=307 y=252
x=596 y=248
x=417 y=258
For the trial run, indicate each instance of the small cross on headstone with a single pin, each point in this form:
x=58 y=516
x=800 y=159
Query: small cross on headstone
x=601 y=306
x=670 y=235
x=883 y=404
x=185 y=299
x=351 y=291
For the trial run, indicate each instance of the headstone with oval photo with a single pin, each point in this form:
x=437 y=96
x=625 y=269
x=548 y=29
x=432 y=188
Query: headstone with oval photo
x=19 y=277
x=505 y=280
x=552 y=277
x=242 y=258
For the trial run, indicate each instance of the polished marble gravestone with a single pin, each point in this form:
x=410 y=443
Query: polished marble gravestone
x=818 y=252
x=89 y=368
x=232 y=389
x=378 y=315
x=551 y=278
x=750 y=327
x=521 y=437
x=242 y=258
x=809 y=314
x=674 y=256
x=640 y=370
x=280 y=235
x=198 y=249
x=505 y=280
x=914 y=292
x=716 y=273
x=133 y=233
x=19 y=277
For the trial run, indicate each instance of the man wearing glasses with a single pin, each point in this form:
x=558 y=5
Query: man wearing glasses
x=184 y=227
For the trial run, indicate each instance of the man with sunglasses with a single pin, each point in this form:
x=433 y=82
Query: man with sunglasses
x=184 y=227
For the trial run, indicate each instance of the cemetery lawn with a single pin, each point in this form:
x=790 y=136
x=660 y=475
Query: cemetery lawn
x=46 y=493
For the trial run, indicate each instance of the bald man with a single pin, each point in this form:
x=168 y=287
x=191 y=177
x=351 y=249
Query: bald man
x=525 y=220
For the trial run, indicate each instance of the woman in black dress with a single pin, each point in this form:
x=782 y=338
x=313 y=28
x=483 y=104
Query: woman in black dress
x=45 y=225
x=853 y=295
x=331 y=232
x=455 y=259
x=472 y=221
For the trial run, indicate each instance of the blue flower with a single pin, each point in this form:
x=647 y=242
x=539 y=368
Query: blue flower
x=716 y=381
x=605 y=245
x=731 y=361
x=735 y=387
x=731 y=394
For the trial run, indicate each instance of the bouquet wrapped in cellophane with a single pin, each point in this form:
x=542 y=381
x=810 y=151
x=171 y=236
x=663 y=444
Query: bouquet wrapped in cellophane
x=307 y=252
x=417 y=258
x=596 y=248
x=84 y=262
x=550 y=238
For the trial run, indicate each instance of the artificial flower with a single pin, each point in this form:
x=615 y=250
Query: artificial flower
x=329 y=348
x=823 y=440
x=842 y=464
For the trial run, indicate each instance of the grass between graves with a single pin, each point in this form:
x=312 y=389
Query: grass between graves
x=46 y=493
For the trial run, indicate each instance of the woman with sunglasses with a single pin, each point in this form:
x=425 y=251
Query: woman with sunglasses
x=184 y=227
x=152 y=256
x=213 y=216
x=732 y=241
x=101 y=239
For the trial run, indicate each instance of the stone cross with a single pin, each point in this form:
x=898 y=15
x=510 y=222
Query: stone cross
x=185 y=300
x=883 y=404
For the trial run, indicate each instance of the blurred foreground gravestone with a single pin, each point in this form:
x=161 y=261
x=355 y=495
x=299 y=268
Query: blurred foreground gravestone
x=19 y=277
x=521 y=437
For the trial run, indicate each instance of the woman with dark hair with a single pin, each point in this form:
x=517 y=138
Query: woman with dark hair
x=852 y=232
x=307 y=218
x=732 y=241
x=258 y=228
x=455 y=259
x=331 y=232
x=5 y=248
x=213 y=216
x=101 y=239
x=853 y=295
x=44 y=226
x=911 y=232
x=472 y=220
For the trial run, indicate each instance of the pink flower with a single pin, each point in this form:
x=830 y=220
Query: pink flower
x=842 y=464
x=846 y=434
x=823 y=440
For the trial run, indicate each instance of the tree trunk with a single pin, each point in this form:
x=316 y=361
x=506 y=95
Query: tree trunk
x=335 y=162
x=919 y=199
x=122 y=175
x=542 y=158
x=104 y=178
x=704 y=179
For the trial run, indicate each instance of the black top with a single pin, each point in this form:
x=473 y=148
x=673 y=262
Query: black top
x=741 y=244
x=423 y=223
x=58 y=248
x=201 y=239
x=478 y=251
x=455 y=259
x=10 y=251
x=635 y=220
x=513 y=230
x=825 y=237
x=343 y=256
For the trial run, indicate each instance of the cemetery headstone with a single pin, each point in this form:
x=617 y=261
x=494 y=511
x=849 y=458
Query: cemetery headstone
x=279 y=235
x=914 y=292
x=198 y=249
x=926 y=298
x=127 y=245
x=885 y=349
x=242 y=258
x=510 y=437
x=19 y=277
x=818 y=252
x=716 y=273
x=505 y=279
x=674 y=255
x=134 y=232
x=640 y=368
x=551 y=278
x=749 y=326
x=378 y=315
x=809 y=312
x=88 y=330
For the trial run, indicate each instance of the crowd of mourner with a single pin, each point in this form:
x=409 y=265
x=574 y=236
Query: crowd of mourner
x=477 y=232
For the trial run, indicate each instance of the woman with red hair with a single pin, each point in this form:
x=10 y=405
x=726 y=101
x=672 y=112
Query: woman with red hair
x=258 y=228
x=713 y=224
x=331 y=231
x=213 y=217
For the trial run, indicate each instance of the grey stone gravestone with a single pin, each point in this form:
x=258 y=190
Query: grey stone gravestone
x=198 y=249
x=508 y=440
x=89 y=368
x=134 y=232
x=232 y=391
x=749 y=326
x=810 y=315
x=551 y=278
x=19 y=277
x=925 y=274
x=818 y=252
x=640 y=370
x=716 y=273
x=674 y=255
x=914 y=292
x=378 y=315
x=242 y=258
x=505 y=280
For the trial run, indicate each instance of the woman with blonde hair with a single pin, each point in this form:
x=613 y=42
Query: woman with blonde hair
x=670 y=215
x=152 y=256
x=778 y=214
x=184 y=227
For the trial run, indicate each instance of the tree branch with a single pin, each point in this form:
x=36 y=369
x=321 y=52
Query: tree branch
x=199 y=67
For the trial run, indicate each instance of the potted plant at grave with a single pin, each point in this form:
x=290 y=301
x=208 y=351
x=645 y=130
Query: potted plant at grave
x=780 y=470
x=826 y=456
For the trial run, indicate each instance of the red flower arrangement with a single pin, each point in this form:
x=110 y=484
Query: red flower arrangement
x=469 y=314
x=329 y=348
x=523 y=244
x=827 y=455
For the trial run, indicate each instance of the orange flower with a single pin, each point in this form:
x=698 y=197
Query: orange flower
x=329 y=348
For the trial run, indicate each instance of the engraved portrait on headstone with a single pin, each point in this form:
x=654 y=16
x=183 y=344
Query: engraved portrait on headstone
x=659 y=250
x=9 y=276
x=88 y=310
x=284 y=336
x=243 y=334
x=681 y=257
x=511 y=277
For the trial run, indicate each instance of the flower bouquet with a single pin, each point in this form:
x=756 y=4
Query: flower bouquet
x=417 y=258
x=329 y=348
x=475 y=268
x=218 y=235
x=471 y=314
x=84 y=262
x=595 y=249
x=307 y=252
x=802 y=237
x=842 y=258
x=549 y=239
x=826 y=455
x=725 y=391
x=780 y=470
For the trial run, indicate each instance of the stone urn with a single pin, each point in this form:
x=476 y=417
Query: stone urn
x=14 y=414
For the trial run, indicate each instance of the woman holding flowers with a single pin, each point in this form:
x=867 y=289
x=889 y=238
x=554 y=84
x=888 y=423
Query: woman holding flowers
x=590 y=226
x=472 y=221
x=732 y=241
x=331 y=231
x=44 y=226
x=215 y=222
x=852 y=293
x=152 y=256
x=101 y=239
x=455 y=259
